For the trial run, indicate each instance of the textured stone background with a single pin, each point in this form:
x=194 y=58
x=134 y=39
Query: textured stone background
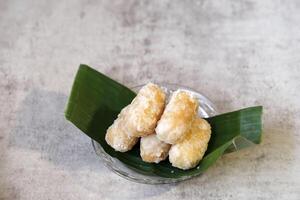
x=238 y=53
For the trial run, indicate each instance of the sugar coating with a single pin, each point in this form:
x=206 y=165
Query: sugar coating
x=117 y=137
x=145 y=110
x=188 y=153
x=177 y=118
x=137 y=119
x=153 y=150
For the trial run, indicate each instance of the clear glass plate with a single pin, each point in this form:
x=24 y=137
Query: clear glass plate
x=207 y=109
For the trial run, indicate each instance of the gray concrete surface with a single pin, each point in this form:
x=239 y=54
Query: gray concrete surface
x=238 y=53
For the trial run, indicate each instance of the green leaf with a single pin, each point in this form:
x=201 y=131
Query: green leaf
x=96 y=100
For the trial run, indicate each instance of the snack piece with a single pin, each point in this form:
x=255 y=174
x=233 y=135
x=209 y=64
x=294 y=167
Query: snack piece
x=153 y=150
x=145 y=110
x=137 y=119
x=188 y=153
x=177 y=118
x=117 y=137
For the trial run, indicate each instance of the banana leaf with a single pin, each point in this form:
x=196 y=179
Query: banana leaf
x=96 y=100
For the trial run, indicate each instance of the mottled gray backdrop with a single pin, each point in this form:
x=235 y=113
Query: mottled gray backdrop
x=238 y=53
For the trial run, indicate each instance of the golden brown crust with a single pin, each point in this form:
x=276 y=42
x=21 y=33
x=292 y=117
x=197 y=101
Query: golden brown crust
x=118 y=138
x=177 y=118
x=187 y=153
x=145 y=110
x=137 y=119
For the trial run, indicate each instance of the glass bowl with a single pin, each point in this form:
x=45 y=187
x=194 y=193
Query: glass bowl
x=207 y=109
